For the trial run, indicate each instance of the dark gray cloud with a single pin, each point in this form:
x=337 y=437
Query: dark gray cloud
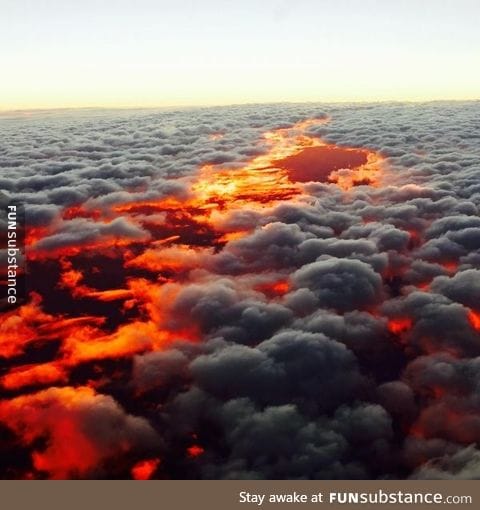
x=340 y=284
x=463 y=287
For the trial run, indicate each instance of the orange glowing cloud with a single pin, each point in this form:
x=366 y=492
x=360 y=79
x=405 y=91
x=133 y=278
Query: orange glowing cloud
x=275 y=288
x=170 y=259
x=450 y=265
x=28 y=375
x=474 y=319
x=60 y=416
x=71 y=279
x=144 y=469
x=216 y=136
x=195 y=451
x=440 y=420
x=88 y=343
x=399 y=325
x=20 y=327
x=78 y=211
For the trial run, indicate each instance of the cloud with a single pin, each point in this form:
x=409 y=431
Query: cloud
x=82 y=430
x=343 y=285
x=462 y=465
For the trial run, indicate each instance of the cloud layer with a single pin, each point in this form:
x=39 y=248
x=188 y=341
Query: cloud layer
x=228 y=321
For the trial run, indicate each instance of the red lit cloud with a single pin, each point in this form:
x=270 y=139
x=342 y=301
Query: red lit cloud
x=144 y=469
x=82 y=430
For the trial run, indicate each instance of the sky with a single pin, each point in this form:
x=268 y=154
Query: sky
x=124 y=53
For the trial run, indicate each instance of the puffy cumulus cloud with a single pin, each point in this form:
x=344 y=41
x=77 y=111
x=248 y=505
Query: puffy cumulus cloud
x=306 y=368
x=41 y=215
x=197 y=312
x=463 y=287
x=449 y=224
x=398 y=399
x=272 y=246
x=311 y=249
x=433 y=323
x=340 y=284
x=82 y=232
x=220 y=309
x=441 y=373
x=448 y=388
x=366 y=335
x=464 y=464
x=278 y=442
x=157 y=369
x=385 y=237
x=281 y=441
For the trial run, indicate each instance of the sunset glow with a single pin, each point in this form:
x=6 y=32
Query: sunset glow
x=151 y=54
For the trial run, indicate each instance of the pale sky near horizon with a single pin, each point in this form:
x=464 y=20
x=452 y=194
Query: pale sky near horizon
x=125 y=53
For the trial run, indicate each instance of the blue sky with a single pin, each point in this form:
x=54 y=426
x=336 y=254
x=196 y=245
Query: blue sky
x=159 y=53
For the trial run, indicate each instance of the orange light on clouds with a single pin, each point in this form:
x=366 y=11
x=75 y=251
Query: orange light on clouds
x=474 y=318
x=195 y=451
x=399 y=325
x=144 y=469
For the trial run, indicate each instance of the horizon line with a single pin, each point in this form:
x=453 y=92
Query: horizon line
x=226 y=105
